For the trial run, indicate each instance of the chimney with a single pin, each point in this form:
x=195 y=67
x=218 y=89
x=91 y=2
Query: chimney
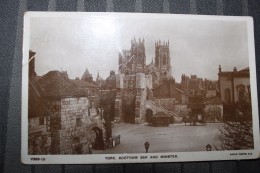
x=235 y=69
x=219 y=68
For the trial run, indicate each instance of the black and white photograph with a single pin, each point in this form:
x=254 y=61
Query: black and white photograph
x=121 y=87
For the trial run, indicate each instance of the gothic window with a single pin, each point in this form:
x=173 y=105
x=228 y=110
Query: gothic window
x=164 y=60
x=140 y=58
x=156 y=60
x=227 y=96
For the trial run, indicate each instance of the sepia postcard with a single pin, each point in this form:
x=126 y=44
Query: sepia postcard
x=134 y=88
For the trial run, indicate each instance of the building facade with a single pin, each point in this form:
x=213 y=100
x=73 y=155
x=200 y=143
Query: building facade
x=234 y=88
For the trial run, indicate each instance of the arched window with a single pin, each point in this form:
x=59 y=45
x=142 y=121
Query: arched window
x=227 y=95
x=157 y=60
x=164 y=60
x=241 y=93
x=140 y=58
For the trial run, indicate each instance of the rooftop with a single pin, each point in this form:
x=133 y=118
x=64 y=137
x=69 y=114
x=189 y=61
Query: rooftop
x=56 y=84
x=83 y=84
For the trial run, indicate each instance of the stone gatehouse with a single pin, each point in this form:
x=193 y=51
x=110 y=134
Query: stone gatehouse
x=60 y=117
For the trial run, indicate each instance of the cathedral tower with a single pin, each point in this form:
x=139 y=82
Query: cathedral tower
x=162 y=59
x=138 y=54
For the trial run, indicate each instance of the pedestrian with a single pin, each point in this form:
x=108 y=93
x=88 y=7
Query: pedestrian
x=146 y=146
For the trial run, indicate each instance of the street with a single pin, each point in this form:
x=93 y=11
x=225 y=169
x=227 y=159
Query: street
x=175 y=138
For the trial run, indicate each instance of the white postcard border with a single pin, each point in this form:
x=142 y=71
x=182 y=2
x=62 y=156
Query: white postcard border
x=147 y=157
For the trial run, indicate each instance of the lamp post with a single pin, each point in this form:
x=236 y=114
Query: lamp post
x=208 y=147
x=90 y=148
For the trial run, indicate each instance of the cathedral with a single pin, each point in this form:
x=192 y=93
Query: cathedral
x=144 y=90
x=135 y=79
x=133 y=61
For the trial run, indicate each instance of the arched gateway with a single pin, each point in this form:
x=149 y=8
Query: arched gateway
x=99 y=143
x=148 y=115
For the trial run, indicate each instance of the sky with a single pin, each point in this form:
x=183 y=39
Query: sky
x=93 y=41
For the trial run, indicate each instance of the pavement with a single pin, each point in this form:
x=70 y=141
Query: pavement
x=174 y=138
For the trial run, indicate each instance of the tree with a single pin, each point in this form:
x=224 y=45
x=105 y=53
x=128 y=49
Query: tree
x=238 y=134
x=129 y=110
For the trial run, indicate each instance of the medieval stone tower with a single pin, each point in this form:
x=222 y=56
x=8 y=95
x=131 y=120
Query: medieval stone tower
x=133 y=61
x=162 y=59
x=138 y=53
